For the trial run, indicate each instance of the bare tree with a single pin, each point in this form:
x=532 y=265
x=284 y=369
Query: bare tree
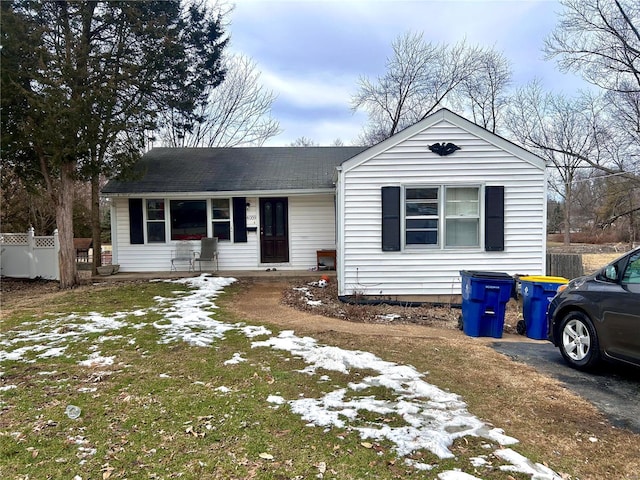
x=303 y=142
x=484 y=92
x=619 y=206
x=24 y=205
x=420 y=77
x=238 y=112
x=600 y=39
x=561 y=131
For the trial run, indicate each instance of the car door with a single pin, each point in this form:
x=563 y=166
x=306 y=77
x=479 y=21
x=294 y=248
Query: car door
x=620 y=307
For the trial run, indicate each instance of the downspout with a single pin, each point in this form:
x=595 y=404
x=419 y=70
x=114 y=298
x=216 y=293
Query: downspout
x=543 y=268
x=114 y=234
x=339 y=229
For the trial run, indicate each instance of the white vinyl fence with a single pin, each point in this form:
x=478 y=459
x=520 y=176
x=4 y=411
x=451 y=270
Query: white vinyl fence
x=29 y=256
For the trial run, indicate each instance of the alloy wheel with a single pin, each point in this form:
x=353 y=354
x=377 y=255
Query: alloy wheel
x=576 y=340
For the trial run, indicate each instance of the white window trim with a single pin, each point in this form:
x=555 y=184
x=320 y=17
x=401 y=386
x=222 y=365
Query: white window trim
x=442 y=187
x=145 y=216
x=212 y=220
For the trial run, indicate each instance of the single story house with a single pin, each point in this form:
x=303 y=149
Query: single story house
x=403 y=217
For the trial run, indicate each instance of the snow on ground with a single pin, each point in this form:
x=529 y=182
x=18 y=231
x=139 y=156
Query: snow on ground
x=433 y=417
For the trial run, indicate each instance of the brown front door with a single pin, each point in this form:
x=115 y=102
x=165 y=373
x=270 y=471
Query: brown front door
x=274 y=230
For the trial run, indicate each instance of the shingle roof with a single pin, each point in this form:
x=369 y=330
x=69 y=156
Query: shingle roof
x=235 y=169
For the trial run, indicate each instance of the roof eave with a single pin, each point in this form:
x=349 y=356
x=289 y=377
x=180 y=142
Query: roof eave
x=240 y=193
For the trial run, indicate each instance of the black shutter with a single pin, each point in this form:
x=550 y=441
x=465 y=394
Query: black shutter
x=239 y=219
x=136 y=222
x=494 y=219
x=390 y=219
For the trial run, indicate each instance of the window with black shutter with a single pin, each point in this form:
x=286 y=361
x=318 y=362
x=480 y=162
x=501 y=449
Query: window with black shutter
x=442 y=216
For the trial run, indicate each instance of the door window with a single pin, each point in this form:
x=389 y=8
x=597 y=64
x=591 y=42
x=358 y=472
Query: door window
x=632 y=272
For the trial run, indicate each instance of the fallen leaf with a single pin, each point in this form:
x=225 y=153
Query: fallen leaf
x=366 y=445
x=266 y=456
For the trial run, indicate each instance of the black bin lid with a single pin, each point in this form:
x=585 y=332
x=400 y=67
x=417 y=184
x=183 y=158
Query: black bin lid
x=487 y=275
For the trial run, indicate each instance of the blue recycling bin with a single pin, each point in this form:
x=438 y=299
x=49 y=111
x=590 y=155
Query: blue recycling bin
x=484 y=300
x=537 y=292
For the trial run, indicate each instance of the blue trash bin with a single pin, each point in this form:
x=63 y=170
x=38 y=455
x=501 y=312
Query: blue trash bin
x=537 y=292
x=484 y=299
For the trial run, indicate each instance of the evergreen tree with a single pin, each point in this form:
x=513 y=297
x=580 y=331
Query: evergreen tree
x=83 y=81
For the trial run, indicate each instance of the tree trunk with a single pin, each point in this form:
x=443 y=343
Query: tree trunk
x=95 y=223
x=64 y=219
x=567 y=214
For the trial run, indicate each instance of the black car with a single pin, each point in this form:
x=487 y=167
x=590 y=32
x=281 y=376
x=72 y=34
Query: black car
x=597 y=317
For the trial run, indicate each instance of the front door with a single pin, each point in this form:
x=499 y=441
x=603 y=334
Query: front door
x=274 y=230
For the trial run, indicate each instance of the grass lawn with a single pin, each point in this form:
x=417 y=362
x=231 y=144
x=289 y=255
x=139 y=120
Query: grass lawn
x=170 y=385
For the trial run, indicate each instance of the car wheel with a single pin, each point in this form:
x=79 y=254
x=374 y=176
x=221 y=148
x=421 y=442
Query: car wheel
x=578 y=341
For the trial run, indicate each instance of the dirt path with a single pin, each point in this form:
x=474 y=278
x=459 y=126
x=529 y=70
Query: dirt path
x=260 y=302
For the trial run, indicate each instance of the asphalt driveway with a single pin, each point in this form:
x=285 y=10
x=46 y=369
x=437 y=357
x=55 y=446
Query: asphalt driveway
x=612 y=388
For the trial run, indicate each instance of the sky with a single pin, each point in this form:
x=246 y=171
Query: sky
x=312 y=53
x=434 y=418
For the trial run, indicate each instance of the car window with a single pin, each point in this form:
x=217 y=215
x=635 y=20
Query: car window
x=632 y=272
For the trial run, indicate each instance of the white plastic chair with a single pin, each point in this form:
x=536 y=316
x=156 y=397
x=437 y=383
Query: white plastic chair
x=183 y=253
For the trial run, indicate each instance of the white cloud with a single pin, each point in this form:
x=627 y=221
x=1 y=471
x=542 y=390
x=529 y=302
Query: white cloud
x=312 y=53
x=323 y=132
x=310 y=91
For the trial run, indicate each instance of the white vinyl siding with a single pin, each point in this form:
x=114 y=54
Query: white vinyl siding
x=366 y=269
x=311 y=228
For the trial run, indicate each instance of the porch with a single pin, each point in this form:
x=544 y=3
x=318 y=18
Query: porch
x=277 y=275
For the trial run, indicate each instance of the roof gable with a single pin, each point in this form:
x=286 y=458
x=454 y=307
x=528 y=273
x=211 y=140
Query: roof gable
x=445 y=115
x=246 y=169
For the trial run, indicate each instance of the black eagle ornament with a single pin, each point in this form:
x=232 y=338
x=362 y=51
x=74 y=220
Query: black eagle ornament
x=443 y=149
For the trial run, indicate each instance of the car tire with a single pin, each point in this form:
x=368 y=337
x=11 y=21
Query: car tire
x=578 y=341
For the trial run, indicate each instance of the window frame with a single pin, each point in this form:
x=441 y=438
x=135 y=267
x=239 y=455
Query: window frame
x=150 y=204
x=422 y=218
x=148 y=221
x=442 y=217
x=228 y=220
x=188 y=236
x=476 y=217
